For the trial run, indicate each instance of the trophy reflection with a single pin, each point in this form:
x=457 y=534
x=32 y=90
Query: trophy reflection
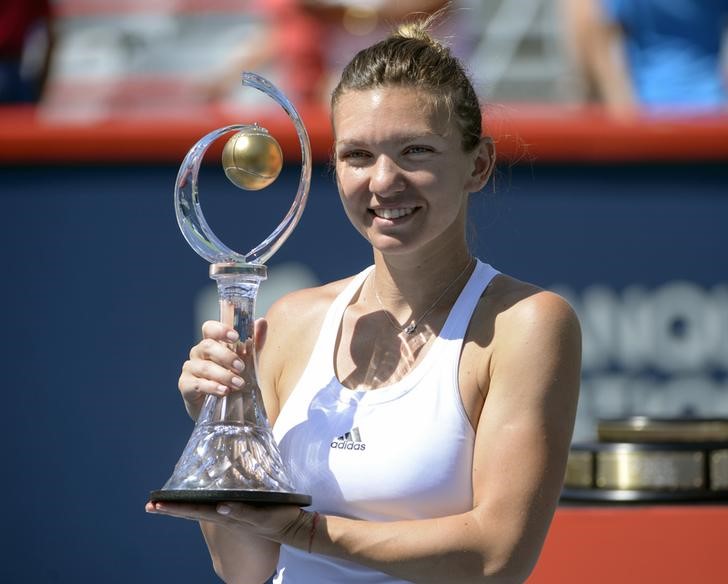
x=231 y=454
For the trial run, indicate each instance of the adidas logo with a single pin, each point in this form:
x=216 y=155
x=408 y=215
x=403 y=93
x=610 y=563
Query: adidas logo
x=349 y=441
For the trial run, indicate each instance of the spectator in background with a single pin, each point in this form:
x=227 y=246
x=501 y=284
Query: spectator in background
x=353 y=25
x=292 y=41
x=26 y=42
x=305 y=41
x=658 y=56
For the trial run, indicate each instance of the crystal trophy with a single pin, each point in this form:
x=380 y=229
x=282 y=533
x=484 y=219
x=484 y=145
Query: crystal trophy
x=232 y=455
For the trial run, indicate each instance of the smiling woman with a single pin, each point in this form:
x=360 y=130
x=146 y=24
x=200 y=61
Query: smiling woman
x=404 y=178
x=427 y=402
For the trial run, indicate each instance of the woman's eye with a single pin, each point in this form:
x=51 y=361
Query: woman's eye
x=356 y=158
x=417 y=149
x=353 y=155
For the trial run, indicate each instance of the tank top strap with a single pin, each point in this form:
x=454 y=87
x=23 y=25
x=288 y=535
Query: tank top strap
x=445 y=353
x=326 y=342
x=458 y=320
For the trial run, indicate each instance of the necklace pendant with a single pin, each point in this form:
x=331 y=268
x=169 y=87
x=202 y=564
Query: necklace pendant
x=410 y=328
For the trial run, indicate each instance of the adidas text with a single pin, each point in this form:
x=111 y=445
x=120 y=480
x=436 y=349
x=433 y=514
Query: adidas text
x=348 y=445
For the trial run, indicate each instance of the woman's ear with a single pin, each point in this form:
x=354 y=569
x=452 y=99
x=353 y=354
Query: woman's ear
x=483 y=164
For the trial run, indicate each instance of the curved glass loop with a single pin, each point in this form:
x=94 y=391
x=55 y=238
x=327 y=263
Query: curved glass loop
x=192 y=222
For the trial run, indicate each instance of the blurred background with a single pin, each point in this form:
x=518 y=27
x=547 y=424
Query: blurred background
x=612 y=189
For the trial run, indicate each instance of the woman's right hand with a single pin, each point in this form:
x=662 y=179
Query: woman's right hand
x=217 y=363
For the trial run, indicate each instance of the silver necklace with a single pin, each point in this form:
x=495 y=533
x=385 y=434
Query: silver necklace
x=412 y=326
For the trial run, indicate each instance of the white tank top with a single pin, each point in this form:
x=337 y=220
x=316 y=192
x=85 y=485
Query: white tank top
x=402 y=451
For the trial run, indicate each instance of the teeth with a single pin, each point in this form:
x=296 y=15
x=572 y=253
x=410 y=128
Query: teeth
x=392 y=213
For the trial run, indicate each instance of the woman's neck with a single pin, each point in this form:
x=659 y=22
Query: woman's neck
x=407 y=286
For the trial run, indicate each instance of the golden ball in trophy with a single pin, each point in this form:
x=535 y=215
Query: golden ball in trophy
x=252 y=159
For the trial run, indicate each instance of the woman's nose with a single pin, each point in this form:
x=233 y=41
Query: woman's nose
x=386 y=176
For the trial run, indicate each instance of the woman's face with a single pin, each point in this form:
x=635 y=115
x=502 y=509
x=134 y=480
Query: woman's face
x=401 y=170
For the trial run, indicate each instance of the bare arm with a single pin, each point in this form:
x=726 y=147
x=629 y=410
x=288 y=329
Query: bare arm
x=251 y=55
x=597 y=47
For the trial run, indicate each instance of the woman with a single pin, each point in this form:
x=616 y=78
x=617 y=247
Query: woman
x=458 y=384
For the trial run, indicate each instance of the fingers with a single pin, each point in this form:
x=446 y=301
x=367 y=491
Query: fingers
x=270 y=521
x=218 y=372
x=236 y=511
x=218 y=331
x=274 y=522
x=219 y=363
x=213 y=367
x=220 y=513
x=216 y=352
x=184 y=511
x=194 y=388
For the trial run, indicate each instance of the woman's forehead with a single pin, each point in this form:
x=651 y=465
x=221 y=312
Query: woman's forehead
x=402 y=110
x=393 y=96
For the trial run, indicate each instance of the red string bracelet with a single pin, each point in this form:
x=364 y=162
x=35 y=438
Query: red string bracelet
x=314 y=523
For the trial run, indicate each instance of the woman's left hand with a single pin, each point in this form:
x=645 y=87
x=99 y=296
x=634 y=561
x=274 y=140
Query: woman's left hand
x=281 y=523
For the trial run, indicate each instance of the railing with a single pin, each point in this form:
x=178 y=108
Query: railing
x=523 y=133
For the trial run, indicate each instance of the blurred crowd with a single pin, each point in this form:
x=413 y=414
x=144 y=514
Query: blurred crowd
x=664 y=56
x=89 y=58
x=26 y=45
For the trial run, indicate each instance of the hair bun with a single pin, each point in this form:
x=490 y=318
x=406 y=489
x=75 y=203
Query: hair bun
x=420 y=30
x=414 y=30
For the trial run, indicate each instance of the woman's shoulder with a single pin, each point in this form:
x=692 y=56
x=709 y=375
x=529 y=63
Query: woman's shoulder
x=303 y=309
x=519 y=323
x=515 y=307
x=294 y=324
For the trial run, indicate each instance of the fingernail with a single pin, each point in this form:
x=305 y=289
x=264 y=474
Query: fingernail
x=237 y=381
x=223 y=509
x=222 y=390
x=238 y=365
x=233 y=335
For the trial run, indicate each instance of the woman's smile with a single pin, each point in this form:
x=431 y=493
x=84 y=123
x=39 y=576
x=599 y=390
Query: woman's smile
x=393 y=215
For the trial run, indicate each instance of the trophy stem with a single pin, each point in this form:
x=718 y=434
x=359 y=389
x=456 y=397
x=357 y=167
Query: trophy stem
x=232 y=454
x=237 y=286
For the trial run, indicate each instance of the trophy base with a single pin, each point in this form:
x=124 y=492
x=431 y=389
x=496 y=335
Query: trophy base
x=239 y=496
x=681 y=430
x=235 y=496
x=595 y=496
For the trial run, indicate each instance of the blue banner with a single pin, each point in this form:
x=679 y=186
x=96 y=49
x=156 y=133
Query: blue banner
x=103 y=297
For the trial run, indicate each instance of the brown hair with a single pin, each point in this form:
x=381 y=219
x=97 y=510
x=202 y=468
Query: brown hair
x=410 y=56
